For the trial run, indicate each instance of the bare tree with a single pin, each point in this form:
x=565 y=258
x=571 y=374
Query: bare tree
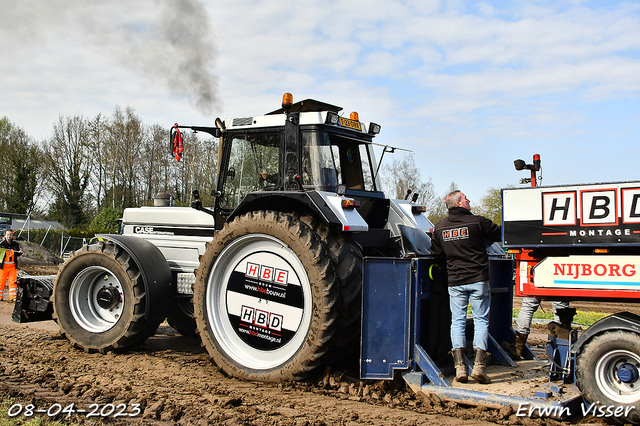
x=438 y=210
x=121 y=148
x=69 y=167
x=97 y=143
x=154 y=162
x=127 y=128
x=204 y=165
x=111 y=163
x=403 y=175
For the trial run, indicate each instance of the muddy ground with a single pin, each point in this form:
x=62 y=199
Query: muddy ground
x=170 y=380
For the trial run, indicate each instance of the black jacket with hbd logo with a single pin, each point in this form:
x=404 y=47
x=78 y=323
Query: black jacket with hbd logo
x=461 y=238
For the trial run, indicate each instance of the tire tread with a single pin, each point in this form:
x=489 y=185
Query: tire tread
x=292 y=231
x=138 y=329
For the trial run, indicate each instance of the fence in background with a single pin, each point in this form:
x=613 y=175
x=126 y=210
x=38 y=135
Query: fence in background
x=49 y=234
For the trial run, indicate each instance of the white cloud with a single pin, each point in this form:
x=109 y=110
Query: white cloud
x=436 y=74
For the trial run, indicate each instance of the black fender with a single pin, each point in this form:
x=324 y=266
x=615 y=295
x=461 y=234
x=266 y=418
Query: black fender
x=287 y=201
x=619 y=321
x=155 y=273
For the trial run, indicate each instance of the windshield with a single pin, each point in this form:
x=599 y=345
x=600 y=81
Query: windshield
x=329 y=159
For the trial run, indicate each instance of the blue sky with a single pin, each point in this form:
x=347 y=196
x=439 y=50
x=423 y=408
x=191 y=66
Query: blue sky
x=467 y=86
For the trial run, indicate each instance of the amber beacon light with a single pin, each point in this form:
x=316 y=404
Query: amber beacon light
x=287 y=100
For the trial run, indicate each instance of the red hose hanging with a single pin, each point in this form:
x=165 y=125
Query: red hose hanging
x=177 y=143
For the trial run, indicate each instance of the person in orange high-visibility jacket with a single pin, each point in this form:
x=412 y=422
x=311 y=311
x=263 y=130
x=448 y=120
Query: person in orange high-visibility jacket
x=9 y=252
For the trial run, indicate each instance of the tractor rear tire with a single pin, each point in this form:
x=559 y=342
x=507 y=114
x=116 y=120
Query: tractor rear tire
x=346 y=257
x=608 y=373
x=99 y=300
x=266 y=298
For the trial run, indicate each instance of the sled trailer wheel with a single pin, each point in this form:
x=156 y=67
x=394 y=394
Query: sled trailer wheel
x=608 y=372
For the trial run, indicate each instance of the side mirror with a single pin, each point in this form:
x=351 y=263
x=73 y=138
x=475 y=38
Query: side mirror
x=406 y=197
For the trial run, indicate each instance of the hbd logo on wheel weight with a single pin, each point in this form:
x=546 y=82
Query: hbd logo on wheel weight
x=262 y=319
x=267 y=273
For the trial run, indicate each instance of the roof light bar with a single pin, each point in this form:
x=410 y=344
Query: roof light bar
x=332 y=118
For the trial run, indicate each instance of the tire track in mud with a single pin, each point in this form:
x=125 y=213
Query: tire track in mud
x=42 y=366
x=35 y=400
x=174 y=382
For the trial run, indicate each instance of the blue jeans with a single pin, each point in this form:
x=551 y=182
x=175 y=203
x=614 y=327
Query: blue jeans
x=479 y=294
x=529 y=306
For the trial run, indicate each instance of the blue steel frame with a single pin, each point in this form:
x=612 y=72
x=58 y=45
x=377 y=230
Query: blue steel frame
x=387 y=340
x=393 y=314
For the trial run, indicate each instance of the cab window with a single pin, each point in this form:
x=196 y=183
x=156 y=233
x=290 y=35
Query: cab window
x=330 y=159
x=253 y=166
x=318 y=166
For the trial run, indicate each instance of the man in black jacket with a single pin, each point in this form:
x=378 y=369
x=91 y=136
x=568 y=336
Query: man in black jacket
x=462 y=237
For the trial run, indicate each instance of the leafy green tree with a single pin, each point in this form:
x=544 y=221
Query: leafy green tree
x=26 y=161
x=491 y=205
x=22 y=169
x=106 y=220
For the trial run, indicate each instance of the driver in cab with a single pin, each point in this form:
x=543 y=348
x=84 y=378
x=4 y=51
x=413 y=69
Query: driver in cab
x=268 y=179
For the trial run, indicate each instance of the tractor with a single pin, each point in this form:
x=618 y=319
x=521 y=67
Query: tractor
x=270 y=277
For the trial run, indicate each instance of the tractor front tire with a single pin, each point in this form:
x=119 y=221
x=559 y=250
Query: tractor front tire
x=99 y=300
x=266 y=298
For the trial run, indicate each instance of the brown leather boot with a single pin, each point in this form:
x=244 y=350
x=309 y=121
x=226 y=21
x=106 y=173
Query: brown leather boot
x=479 y=365
x=510 y=349
x=461 y=367
x=521 y=340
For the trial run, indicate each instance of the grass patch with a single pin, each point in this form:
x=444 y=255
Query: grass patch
x=584 y=318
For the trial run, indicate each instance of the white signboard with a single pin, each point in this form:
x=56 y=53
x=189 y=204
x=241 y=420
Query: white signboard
x=589 y=272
